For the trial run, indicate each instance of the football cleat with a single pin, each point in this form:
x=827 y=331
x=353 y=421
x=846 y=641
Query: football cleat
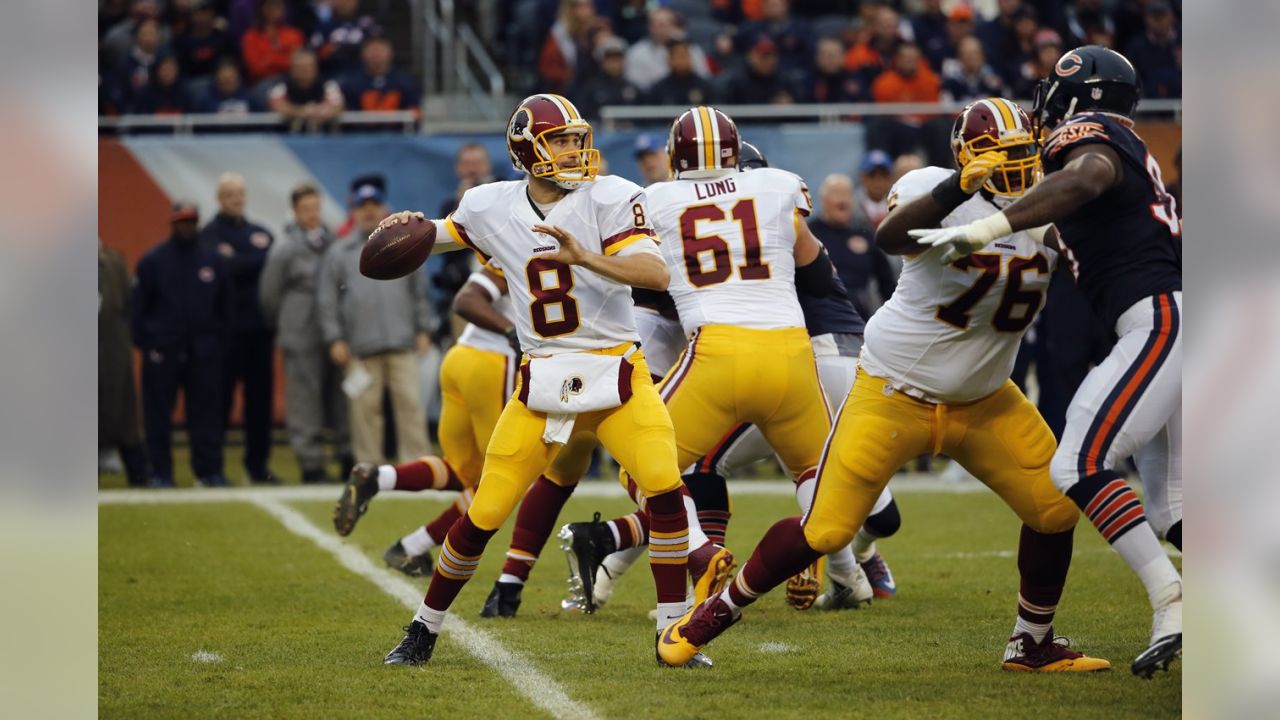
x=682 y=641
x=1053 y=654
x=585 y=554
x=360 y=488
x=697 y=662
x=881 y=579
x=415 y=648
x=412 y=565
x=503 y=600
x=1166 y=636
x=710 y=568
x=841 y=596
x=804 y=586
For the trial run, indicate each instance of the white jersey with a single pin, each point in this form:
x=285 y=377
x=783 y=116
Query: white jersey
x=477 y=337
x=729 y=242
x=559 y=308
x=951 y=333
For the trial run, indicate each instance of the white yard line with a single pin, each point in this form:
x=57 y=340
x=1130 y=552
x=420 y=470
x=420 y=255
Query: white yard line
x=592 y=489
x=527 y=680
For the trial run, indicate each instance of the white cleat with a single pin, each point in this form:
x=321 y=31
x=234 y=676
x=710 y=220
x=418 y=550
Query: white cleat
x=1166 y=634
x=853 y=591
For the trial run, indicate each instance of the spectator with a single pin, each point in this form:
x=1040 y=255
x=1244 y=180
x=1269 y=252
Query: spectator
x=372 y=328
x=340 y=36
x=120 y=40
x=872 y=54
x=307 y=102
x=908 y=80
x=472 y=167
x=629 y=21
x=250 y=350
x=930 y=31
x=652 y=161
x=959 y=27
x=996 y=34
x=118 y=425
x=759 y=81
x=567 y=50
x=1157 y=54
x=202 y=45
x=227 y=94
x=606 y=85
x=792 y=38
x=163 y=95
x=831 y=83
x=968 y=77
x=181 y=314
x=682 y=85
x=1019 y=53
x=269 y=45
x=647 y=61
x=1087 y=23
x=1048 y=48
x=850 y=241
x=378 y=85
x=314 y=402
x=135 y=74
x=904 y=164
x=874 y=182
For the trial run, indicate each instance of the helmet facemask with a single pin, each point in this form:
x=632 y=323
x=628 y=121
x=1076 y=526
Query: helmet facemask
x=1017 y=173
x=550 y=165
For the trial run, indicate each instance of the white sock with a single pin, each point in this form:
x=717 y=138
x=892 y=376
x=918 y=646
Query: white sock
x=804 y=494
x=617 y=538
x=842 y=566
x=864 y=545
x=1037 y=630
x=669 y=613
x=386 y=477
x=1140 y=548
x=417 y=542
x=728 y=600
x=621 y=561
x=697 y=538
x=509 y=578
x=433 y=619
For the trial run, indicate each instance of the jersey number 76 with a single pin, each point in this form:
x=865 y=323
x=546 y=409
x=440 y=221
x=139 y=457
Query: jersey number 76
x=991 y=265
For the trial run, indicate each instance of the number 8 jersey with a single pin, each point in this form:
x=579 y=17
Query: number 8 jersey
x=950 y=333
x=558 y=308
x=730 y=243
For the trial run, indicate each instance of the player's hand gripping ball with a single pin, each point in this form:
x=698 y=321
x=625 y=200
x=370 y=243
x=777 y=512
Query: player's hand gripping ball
x=398 y=247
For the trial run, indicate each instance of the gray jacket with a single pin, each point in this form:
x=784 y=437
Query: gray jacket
x=287 y=289
x=372 y=316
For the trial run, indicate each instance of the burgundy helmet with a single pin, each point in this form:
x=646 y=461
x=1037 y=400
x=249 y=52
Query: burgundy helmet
x=998 y=124
x=535 y=120
x=702 y=142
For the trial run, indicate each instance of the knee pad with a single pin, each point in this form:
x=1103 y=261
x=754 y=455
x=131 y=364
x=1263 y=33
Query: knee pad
x=1058 y=517
x=827 y=539
x=886 y=522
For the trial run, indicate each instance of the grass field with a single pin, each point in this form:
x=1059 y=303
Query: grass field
x=218 y=610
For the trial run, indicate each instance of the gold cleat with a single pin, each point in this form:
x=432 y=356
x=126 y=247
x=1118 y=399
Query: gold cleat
x=710 y=568
x=804 y=587
x=1053 y=654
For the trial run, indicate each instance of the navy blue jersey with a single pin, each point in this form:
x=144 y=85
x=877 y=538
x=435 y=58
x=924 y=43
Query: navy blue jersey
x=1126 y=244
x=831 y=314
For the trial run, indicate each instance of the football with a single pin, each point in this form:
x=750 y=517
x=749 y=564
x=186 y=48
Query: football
x=397 y=250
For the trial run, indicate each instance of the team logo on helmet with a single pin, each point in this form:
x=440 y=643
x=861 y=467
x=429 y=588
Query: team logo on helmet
x=1069 y=64
x=520 y=122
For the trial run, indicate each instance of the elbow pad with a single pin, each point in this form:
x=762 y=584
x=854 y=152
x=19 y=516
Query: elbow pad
x=817 y=278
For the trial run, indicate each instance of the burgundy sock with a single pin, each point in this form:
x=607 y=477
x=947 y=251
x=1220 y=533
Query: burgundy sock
x=426 y=473
x=668 y=545
x=534 y=522
x=781 y=553
x=440 y=526
x=1043 y=561
x=459 y=557
x=633 y=530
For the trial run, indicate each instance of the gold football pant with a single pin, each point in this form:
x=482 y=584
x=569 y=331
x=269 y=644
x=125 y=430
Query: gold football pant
x=474 y=385
x=637 y=433
x=769 y=378
x=1001 y=439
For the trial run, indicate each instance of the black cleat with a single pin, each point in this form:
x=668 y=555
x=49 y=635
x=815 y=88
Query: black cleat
x=411 y=565
x=361 y=486
x=415 y=648
x=585 y=545
x=503 y=600
x=1157 y=657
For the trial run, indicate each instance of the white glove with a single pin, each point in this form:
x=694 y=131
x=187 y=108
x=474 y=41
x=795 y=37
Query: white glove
x=963 y=239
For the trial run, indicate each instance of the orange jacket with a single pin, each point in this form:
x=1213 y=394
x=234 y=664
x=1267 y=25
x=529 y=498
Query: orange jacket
x=892 y=87
x=265 y=55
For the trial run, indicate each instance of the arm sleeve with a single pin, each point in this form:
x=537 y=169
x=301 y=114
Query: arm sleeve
x=1075 y=133
x=327 y=299
x=622 y=214
x=458 y=226
x=800 y=196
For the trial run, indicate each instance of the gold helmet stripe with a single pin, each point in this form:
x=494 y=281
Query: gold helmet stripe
x=706 y=131
x=1004 y=118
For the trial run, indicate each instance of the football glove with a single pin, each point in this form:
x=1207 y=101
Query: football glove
x=963 y=239
x=979 y=170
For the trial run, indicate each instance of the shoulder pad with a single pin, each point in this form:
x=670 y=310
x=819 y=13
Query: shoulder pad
x=916 y=183
x=483 y=197
x=614 y=189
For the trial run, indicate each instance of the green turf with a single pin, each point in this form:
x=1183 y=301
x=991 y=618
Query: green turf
x=303 y=637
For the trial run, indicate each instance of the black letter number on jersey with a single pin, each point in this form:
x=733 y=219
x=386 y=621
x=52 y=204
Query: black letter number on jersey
x=554 y=311
x=752 y=268
x=1004 y=319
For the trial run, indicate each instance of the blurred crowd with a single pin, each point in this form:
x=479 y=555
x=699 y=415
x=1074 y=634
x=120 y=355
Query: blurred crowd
x=308 y=60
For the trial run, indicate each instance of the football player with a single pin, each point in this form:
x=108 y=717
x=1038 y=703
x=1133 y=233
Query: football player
x=744 y=251
x=476 y=377
x=1121 y=234
x=570 y=245
x=934 y=378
